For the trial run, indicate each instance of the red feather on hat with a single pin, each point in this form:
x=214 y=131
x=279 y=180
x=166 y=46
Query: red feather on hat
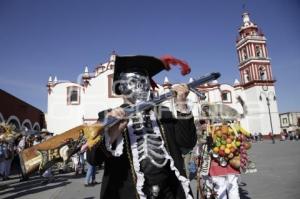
x=170 y=60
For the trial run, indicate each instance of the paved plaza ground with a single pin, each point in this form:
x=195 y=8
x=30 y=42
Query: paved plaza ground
x=278 y=177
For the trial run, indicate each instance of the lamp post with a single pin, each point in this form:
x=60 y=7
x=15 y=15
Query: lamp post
x=268 y=99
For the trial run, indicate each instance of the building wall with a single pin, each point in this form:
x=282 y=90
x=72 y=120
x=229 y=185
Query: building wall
x=290 y=121
x=22 y=114
x=257 y=117
x=60 y=115
x=295 y=116
x=284 y=120
x=97 y=96
x=94 y=98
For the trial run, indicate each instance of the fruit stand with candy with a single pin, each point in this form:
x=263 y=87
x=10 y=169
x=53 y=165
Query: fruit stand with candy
x=230 y=145
x=224 y=151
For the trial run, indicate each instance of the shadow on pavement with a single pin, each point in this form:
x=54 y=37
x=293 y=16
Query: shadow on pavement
x=244 y=194
x=32 y=189
x=33 y=185
x=73 y=176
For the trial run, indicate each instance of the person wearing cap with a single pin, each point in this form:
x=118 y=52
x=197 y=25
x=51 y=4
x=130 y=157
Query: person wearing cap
x=142 y=153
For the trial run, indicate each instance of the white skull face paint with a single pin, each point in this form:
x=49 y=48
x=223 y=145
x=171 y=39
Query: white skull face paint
x=135 y=87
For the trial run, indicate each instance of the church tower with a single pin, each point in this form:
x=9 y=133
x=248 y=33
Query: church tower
x=254 y=62
x=256 y=79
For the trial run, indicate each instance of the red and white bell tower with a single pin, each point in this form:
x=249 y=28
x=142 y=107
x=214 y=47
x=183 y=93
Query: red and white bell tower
x=254 y=61
x=257 y=79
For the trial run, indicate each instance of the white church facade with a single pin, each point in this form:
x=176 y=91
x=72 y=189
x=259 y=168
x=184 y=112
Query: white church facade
x=253 y=97
x=71 y=104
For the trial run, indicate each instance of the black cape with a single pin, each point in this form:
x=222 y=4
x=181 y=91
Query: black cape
x=118 y=179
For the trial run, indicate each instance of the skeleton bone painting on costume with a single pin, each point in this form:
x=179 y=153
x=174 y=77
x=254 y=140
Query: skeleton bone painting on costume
x=150 y=155
x=135 y=86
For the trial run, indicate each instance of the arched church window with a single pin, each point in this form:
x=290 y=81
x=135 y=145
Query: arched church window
x=262 y=73
x=226 y=96
x=247 y=76
x=245 y=56
x=73 y=95
x=258 y=51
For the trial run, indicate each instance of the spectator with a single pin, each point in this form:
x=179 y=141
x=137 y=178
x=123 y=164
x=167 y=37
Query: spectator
x=187 y=157
x=29 y=141
x=256 y=136
x=22 y=144
x=294 y=135
x=282 y=137
x=77 y=163
x=291 y=135
x=2 y=156
x=90 y=178
x=260 y=136
x=285 y=135
x=7 y=150
x=19 y=146
x=297 y=134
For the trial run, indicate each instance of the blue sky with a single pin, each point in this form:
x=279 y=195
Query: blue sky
x=39 y=38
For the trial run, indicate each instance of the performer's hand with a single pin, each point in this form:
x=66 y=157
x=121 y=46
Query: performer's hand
x=182 y=92
x=116 y=130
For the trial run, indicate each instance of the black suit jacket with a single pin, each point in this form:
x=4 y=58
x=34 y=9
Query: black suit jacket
x=118 y=181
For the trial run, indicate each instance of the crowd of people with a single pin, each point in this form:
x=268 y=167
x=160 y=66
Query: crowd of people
x=284 y=135
x=11 y=144
x=257 y=136
x=291 y=135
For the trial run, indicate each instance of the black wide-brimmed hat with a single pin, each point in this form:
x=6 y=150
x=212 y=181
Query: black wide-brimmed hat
x=147 y=65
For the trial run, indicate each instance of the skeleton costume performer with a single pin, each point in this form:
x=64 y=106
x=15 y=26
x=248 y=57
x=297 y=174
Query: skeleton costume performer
x=145 y=160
